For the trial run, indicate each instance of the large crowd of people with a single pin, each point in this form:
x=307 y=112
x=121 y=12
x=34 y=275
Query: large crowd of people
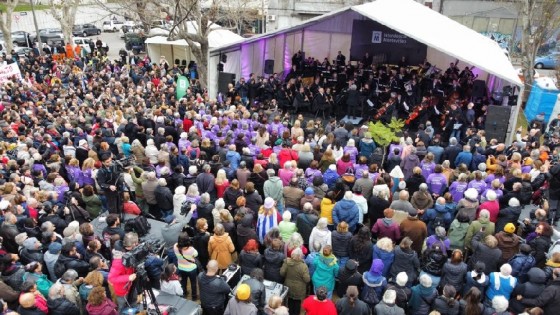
x=433 y=224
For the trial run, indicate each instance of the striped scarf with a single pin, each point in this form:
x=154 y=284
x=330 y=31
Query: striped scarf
x=265 y=223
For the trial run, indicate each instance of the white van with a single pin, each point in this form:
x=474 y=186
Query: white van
x=112 y=26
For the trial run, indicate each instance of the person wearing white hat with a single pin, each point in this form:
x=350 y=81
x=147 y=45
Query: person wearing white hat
x=268 y=218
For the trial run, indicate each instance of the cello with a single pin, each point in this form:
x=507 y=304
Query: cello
x=383 y=109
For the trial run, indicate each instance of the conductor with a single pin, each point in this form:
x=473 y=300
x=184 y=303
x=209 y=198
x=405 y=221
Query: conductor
x=352 y=101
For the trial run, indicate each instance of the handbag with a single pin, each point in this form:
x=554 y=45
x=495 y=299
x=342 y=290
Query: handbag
x=349 y=177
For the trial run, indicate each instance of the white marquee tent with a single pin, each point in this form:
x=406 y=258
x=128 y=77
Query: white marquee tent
x=324 y=36
x=158 y=46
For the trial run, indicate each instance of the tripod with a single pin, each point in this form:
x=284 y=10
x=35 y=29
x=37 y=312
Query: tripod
x=142 y=284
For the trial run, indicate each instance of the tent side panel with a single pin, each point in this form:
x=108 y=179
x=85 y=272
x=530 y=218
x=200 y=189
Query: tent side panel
x=213 y=75
x=340 y=42
x=246 y=60
x=279 y=53
x=269 y=51
x=257 y=62
x=316 y=44
x=154 y=51
x=288 y=53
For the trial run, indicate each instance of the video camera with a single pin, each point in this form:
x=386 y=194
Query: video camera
x=137 y=256
x=123 y=163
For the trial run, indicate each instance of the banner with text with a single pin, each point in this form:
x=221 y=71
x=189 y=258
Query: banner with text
x=182 y=86
x=7 y=72
x=384 y=44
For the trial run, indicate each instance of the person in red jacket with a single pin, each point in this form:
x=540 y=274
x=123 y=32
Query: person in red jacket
x=319 y=304
x=287 y=154
x=121 y=277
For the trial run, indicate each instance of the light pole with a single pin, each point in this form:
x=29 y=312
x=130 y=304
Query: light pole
x=263 y=16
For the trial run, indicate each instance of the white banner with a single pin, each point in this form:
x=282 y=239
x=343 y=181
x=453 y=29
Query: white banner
x=9 y=71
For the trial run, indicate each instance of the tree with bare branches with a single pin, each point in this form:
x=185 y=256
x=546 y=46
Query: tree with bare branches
x=6 y=23
x=64 y=11
x=539 y=20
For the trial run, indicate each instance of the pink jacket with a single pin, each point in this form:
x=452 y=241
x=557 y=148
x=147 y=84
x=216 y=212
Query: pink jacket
x=382 y=229
x=118 y=277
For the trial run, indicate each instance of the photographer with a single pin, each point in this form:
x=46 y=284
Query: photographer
x=109 y=180
x=214 y=290
x=121 y=277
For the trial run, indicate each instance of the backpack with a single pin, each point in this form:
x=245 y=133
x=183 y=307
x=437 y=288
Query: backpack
x=438 y=220
x=140 y=225
x=369 y=295
x=43 y=284
x=84 y=291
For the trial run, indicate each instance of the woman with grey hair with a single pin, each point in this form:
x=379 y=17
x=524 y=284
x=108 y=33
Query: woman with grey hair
x=423 y=295
x=58 y=303
x=387 y=306
x=321 y=233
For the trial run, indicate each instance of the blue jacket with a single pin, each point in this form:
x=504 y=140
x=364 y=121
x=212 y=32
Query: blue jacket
x=520 y=265
x=438 y=210
x=500 y=286
x=386 y=257
x=366 y=147
x=330 y=177
x=326 y=270
x=347 y=211
x=463 y=158
x=234 y=158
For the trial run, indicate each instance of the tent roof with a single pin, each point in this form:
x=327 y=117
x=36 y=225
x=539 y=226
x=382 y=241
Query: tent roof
x=441 y=33
x=216 y=38
x=426 y=26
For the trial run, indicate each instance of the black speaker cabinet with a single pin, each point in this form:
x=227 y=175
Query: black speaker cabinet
x=224 y=79
x=497 y=122
x=479 y=88
x=269 y=66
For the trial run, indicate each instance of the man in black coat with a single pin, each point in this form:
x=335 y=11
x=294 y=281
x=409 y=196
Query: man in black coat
x=214 y=290
x=164 y=198
x=548 y=299
x=353 y=101
x=70 y=259
x=109 y=180
x=451 y=152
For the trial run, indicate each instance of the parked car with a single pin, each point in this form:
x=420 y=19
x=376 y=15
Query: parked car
x=130 y=26
x=84 y=43
x=547 y=62
x=161 y=24
x=85 y=30
x=48 y=34
x=135 y=42
x=112 y=26
x=21 y=38
x=22 y=51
